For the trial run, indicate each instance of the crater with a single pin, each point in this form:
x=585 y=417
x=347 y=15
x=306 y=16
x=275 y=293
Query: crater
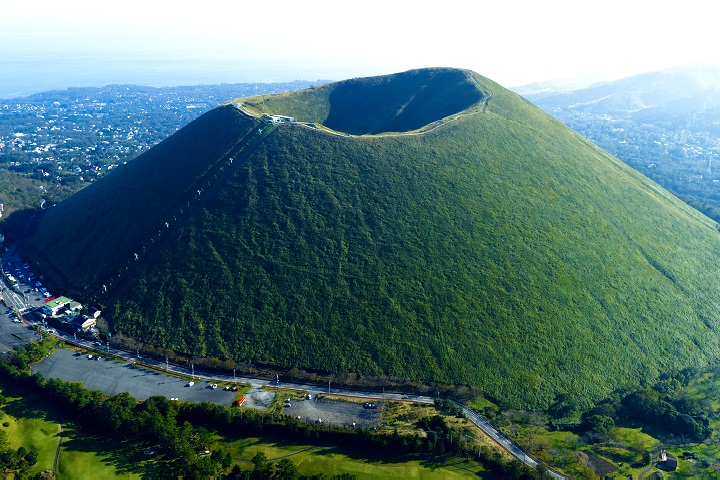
x=401 y=102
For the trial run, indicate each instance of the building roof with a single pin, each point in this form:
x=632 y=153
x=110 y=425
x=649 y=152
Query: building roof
x=58 y=302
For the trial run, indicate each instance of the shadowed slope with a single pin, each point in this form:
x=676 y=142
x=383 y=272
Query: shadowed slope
x=84 y=241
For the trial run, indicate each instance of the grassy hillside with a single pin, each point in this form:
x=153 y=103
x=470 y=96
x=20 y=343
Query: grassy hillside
x=500 y=250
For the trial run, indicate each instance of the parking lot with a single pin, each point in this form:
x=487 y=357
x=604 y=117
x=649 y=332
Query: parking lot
x=13 y=333
x=29 y=292
x=335 y=412
x=113 y=377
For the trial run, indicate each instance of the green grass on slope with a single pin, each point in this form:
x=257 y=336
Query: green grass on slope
x=500 y=250
x=85 y=456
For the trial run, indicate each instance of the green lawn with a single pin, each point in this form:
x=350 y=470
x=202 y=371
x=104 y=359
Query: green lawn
x=30 y=425
x=33 y=424
x=86 y=456
x=335 y=461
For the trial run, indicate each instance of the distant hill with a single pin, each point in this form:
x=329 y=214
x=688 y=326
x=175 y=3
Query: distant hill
x=647 y=90
x=482 y=243
x=664 y=124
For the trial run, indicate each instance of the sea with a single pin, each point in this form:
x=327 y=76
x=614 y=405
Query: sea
x=25 y=75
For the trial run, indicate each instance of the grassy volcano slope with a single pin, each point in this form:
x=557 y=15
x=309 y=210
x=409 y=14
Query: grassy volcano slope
x=390 y=103
x=88 y=239
x=499 y=250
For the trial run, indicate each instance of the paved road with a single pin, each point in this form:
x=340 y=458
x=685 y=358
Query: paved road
x=57 y=450
x=646 y=471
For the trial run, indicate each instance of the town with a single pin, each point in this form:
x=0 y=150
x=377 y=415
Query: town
x=72 y=137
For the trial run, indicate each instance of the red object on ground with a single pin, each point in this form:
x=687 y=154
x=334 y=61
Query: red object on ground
x=51 y=298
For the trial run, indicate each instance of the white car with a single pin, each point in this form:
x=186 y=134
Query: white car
x=190 y=384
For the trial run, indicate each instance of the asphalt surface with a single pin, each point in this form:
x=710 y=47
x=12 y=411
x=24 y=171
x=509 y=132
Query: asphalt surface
x=334 y=412
x=13 y=334
x=113 y=377
x=25 y=295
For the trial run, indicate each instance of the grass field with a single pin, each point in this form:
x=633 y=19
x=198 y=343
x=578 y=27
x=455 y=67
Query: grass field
x=83 y=456
x=335 y=461
x=34 y=425
x=31 y=427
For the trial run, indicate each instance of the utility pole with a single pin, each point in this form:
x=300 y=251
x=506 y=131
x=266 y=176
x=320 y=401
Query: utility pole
x=167 y=365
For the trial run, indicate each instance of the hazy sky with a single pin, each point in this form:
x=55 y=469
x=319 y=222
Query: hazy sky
x=513 y=42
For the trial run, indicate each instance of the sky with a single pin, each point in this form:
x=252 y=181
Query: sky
x=51 y=44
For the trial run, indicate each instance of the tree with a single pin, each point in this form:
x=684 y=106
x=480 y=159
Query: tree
x=31 y=457
x=563 y=406
x=668 y=387
x=236 y=472
x=598 y=426
x=286 y=469
x=227 y=461
x=263 y=468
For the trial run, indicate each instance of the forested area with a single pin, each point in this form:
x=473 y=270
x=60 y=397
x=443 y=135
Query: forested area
x=665 y=407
